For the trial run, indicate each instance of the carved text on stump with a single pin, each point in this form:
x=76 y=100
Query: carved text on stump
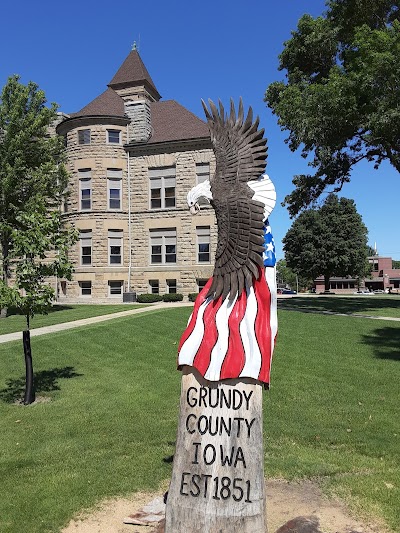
x=218 y=477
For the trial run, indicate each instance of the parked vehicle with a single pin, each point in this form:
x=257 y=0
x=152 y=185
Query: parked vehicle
x=364 y=293
x=379 y=291
x=288 y=291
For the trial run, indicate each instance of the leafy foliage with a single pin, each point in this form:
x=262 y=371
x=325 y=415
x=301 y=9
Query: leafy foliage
x=193 y=296
x=288 y=277
x=32 y=181
x=149 y=298
x=172 y=297
x=38 y=252
x=33 y=177
x=340 y=101
x=329 y=241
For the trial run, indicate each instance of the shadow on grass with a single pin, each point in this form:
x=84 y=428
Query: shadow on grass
x=385 y=342
x=12 y=312
x=45 y=381
x=337 y=304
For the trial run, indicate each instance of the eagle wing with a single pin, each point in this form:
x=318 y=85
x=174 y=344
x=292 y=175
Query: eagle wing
x=240 y=152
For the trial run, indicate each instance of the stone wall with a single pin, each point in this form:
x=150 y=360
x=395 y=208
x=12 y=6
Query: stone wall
x=100 y=156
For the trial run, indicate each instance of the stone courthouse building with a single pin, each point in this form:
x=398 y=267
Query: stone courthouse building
x=132 y=159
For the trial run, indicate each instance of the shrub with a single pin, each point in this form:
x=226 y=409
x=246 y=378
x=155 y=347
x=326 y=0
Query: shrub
x=149 y=298
x=193 y=296
x=172 y=297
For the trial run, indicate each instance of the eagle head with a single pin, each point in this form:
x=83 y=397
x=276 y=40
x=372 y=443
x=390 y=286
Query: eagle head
x=199 y=195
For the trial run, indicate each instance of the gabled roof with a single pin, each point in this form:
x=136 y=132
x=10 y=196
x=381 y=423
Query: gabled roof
x=132 y=72
x=173 y=122
x=106 y=104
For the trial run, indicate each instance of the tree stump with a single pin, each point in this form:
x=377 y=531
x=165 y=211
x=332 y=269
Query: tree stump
x=217 y=483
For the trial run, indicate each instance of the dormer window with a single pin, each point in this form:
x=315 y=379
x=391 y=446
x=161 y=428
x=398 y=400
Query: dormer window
x=114 y=136
x=84 y=136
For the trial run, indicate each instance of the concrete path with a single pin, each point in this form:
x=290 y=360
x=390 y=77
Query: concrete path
x=92 y=320
x=152 y=308
x=352 y=315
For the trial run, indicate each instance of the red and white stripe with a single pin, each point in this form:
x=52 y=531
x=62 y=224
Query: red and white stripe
x=233 y=339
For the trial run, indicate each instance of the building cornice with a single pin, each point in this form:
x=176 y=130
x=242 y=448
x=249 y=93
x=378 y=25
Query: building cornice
x=183 y=145
x=90 y=120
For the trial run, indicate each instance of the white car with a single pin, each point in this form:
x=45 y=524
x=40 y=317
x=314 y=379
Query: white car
x=364 y=293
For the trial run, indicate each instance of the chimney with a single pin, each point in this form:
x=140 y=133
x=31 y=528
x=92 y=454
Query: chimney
x=138 y=111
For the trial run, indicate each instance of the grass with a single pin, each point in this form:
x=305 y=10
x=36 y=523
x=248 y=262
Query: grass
x=332 y=414
x=62 y=313
x=385 y=305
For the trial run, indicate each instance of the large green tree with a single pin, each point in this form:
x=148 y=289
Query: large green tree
x=33 y=179
x=340 y=102
x=329 y=241
x=32 y=173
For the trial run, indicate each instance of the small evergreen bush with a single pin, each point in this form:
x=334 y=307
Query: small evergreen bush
x=149 y=298
x=193 y=296
x=172 y=297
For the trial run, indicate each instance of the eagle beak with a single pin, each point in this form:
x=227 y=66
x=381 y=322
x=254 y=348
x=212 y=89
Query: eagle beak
x=194 y=209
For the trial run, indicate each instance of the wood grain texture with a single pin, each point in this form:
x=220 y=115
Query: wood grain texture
x=217 y=483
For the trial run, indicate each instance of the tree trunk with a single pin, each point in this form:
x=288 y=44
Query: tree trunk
x=4 y=251
x=29 y=383
x=327 y=286
x=217 y=483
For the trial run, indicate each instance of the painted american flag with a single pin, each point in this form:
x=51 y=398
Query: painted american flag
x=235 y=339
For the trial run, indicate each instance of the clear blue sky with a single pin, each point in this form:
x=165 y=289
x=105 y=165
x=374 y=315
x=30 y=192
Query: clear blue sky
x=192 y=50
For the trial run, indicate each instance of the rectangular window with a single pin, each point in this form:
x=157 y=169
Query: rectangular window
x=201 y=283
x=114 y=187
x=86 y=288
x=114 y=136
x=85 y=238
x=163 y=246
x=85 y=189
x=202 y=172
x=115 y=246
x=203 y=244
x=162 y=188
x=171 y=286
x=154 y=286
x=115 y=288
x=84 y=136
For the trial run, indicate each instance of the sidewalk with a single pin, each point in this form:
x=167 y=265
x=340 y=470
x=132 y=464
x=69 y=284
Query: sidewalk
x=152 y=308
x=92 y=320
x=350 y=315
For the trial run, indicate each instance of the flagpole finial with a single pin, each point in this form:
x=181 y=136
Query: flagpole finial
x=134 y=46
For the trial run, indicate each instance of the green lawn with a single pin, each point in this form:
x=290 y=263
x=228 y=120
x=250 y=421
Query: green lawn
x=332 y=414
x=62 y=313
x=385 y=305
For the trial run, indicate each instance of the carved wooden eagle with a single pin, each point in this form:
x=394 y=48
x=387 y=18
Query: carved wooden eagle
x=238 y=197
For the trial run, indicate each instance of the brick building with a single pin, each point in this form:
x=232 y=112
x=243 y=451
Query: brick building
x=132 y=159
x=383 y=277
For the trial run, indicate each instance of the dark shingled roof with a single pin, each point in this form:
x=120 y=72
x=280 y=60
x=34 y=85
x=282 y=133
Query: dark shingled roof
x=133 y=72
x=173 y=122
x=108 y=103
